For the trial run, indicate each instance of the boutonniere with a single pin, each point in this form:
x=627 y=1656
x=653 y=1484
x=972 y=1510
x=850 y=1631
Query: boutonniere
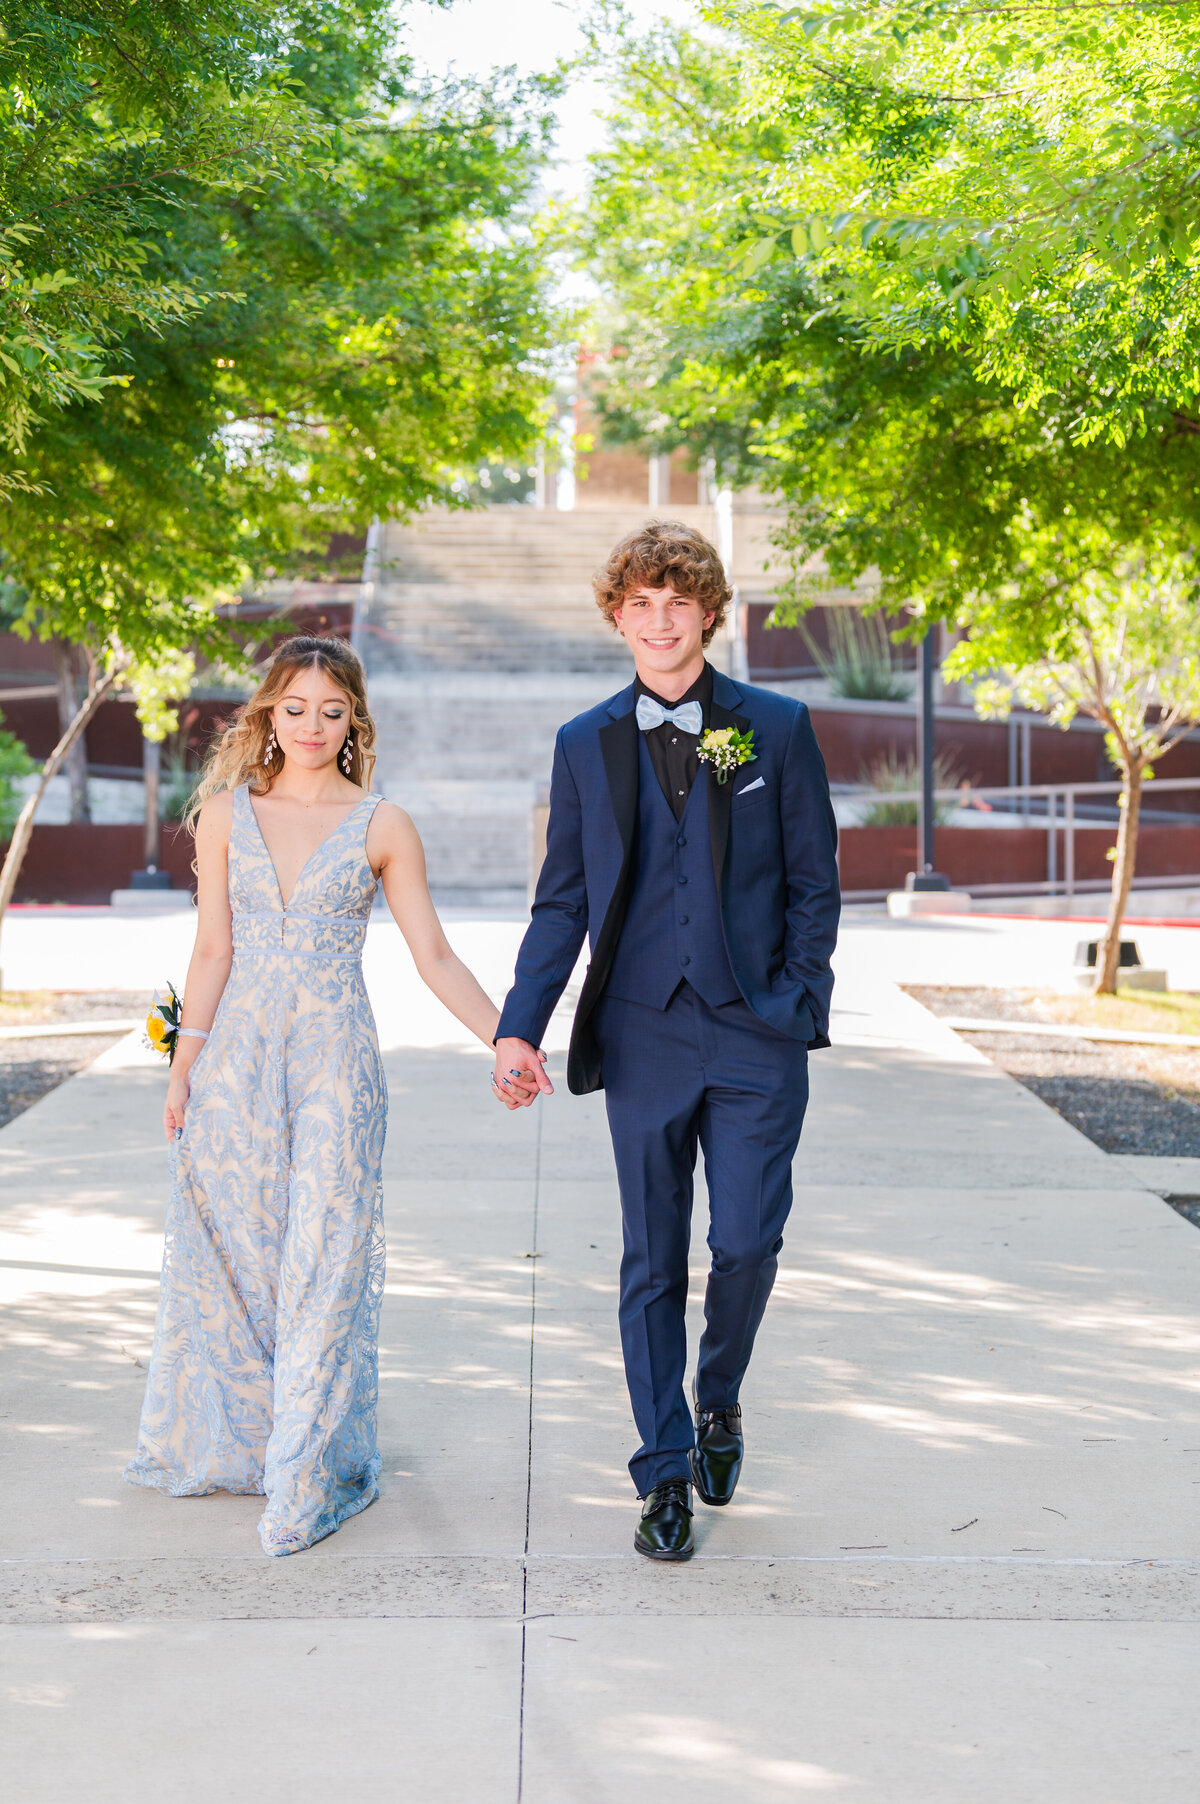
x=725 y=748
x=162 y=1023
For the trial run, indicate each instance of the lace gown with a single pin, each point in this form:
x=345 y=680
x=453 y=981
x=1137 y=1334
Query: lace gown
x=264 y=1374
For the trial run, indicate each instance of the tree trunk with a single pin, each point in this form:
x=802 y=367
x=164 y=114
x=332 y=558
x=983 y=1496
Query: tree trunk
x=1108 y=953
x=23 y=831
x=75 y=762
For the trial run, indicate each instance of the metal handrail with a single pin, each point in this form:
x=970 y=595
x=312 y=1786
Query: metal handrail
x=966 y=793
x=985 y=790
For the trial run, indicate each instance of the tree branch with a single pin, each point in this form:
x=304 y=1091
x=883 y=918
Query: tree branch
x=158 y=175
x=874 y=87
x=23 y=831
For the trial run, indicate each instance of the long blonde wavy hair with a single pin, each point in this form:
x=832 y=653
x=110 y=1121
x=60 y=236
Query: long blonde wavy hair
x=241 y=754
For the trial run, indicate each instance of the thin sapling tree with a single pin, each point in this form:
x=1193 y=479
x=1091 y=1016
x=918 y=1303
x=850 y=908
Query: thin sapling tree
x=1128 y=654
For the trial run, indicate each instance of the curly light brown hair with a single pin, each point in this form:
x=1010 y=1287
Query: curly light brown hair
x=246 y=751
x=665 y=554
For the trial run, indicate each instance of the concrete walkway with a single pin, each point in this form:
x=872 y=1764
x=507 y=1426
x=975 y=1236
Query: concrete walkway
x=963 y=1566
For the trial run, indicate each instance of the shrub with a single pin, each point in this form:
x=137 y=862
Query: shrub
x=890 y=771
x=14 y=762
x=862 y=664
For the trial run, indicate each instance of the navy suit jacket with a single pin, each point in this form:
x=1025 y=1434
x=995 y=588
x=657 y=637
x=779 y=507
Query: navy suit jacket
x=774 y=846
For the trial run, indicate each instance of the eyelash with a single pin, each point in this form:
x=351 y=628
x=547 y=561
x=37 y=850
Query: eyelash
x=295 y=714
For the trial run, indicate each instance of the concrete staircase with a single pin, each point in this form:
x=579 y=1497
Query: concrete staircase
x=481 y=637
x=505 y=589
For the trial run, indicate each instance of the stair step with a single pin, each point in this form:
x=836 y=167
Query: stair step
x=482 y=637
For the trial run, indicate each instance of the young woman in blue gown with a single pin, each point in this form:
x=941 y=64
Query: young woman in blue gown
x=264 y=1373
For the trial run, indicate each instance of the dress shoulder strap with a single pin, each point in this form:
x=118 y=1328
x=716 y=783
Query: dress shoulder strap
x=368 y=805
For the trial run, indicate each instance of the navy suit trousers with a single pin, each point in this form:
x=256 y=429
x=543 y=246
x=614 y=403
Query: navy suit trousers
x=676 y=1079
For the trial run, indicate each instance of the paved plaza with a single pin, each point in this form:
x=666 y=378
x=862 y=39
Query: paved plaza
x=963 y=1564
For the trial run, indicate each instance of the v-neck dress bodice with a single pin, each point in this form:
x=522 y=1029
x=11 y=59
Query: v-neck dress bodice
x=327 y=912
x=264 y=1374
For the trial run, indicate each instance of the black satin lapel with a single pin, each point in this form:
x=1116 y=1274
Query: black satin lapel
x=720 y=795
x=619 y=749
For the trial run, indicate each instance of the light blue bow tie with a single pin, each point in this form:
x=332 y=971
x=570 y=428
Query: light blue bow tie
x=689 y=718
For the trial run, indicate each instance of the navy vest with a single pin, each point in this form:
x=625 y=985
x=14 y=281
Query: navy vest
x=672 y=931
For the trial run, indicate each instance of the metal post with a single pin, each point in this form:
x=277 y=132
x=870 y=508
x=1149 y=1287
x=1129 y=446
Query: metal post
x=366 y=586
x=1069 y=840
x=1052 y=841
x=1026 y=763
x=925 y=877
x=151 y=764
x=737 y=628
x=925 y=730
x=150 y=877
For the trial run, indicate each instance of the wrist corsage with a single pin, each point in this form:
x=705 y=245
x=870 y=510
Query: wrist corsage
x=725 y=748
x=162 y=1023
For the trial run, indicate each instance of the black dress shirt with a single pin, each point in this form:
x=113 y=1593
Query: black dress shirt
x=674 y=753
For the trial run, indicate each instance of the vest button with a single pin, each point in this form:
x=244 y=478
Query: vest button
x=685 y=960
x=681 y=842
x=683 y=920
x=683 y=880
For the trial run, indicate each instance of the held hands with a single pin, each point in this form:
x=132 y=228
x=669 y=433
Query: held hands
x=519 y=1074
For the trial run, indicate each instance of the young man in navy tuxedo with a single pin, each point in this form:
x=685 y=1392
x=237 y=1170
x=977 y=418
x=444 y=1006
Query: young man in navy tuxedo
x=712 y=910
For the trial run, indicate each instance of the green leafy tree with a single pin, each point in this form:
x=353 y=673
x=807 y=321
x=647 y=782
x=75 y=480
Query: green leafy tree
x=1129 y=655
x=900 y=460
x=903 y=462
x=106 y=108
x=1017 y=181
x=392 y=326
x=376 y=321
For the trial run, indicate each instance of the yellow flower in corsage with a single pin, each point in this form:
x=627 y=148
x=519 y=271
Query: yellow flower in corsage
x=725 y=748
x=162 y=1023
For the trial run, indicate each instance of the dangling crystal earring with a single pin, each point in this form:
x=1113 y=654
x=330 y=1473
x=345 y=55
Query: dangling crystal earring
x=346 y=749
x=270 y=751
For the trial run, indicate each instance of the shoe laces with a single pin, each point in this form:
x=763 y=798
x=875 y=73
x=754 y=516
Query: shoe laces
x=671 y=1490
x=729 y=1418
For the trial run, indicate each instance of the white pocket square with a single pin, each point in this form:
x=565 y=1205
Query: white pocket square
x=758 y=783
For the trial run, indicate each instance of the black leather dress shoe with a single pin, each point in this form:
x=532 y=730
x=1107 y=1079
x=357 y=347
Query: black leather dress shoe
x=665 y=1530
x=716 y=1458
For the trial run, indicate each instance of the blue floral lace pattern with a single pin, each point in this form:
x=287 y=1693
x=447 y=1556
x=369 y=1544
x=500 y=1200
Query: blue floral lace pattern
x=264 y=1374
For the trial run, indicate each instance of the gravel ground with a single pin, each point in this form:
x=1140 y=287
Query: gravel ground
x=1128 y=1099
x=31 y=1068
